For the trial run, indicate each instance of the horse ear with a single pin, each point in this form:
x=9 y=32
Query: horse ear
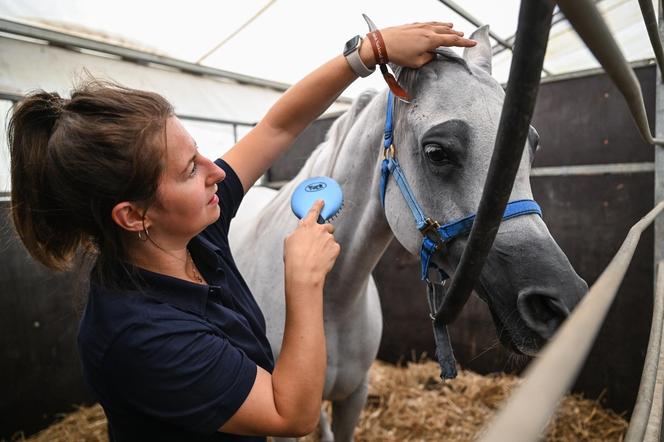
x=480 y=54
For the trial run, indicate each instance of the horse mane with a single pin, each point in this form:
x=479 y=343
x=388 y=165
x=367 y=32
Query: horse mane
x=336 y=134
x=408 y=77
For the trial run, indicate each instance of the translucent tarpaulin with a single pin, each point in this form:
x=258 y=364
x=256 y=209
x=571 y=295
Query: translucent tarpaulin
x=282 y=40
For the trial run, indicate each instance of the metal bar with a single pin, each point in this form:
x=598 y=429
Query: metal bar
x=71 y=41
x=644 y=401
x=593 y=71
x=14 y=98
x=658 y=394
x=214 y=120
x=593 y=169
x=659 y=153
x=654 y=427
x=550 y=376
x=525 y=72
x=558 y=17
x=474 y=21
x=236 y=32
x=10 y=97
x=589 y=24
x=498 y=48
x=650 y=20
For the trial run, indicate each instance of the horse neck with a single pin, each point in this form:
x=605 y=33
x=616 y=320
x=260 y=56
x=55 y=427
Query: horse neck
x=361 y=227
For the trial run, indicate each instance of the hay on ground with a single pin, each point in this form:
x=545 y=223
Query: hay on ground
x=412 y=404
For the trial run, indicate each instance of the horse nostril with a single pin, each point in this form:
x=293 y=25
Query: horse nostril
x=542 y=313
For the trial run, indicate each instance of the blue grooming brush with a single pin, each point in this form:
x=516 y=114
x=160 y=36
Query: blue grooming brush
x=318 y=188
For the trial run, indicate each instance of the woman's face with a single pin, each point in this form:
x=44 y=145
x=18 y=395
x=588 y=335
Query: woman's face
x=186 y=196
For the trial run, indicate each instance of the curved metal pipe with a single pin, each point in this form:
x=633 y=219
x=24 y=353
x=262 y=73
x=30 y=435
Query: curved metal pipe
x=646 y=399
x=550 y=376
x=523 y=84
x=589 y=24
x=650 y=20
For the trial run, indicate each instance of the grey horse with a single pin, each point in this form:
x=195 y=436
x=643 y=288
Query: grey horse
x=444 y=141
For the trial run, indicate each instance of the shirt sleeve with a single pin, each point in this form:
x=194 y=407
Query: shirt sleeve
x=180 y=372
x=230 y=193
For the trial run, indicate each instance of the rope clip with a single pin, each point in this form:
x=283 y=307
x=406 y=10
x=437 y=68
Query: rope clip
x=389 y=152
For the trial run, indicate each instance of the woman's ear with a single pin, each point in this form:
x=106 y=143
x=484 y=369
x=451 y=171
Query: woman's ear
x=129 y=216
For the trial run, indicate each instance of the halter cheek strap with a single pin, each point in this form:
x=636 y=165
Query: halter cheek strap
x=434 y=237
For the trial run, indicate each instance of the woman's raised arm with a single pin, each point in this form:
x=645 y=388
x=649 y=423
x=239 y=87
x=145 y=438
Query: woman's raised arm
x=408 y=45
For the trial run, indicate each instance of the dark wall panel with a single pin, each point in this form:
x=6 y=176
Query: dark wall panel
x=40 y=374
x=590 y=217
x=586 y=121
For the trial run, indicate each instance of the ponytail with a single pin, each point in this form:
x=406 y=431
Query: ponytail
x=38 y=221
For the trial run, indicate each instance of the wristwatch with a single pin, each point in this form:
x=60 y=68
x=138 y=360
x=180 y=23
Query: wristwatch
x=352 y=54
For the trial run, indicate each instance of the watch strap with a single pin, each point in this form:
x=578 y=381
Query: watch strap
x=356 y=63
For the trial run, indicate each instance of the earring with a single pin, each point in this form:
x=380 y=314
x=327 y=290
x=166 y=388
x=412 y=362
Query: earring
x=143 y=237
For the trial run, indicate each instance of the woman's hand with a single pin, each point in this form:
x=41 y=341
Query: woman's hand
x=310 y=251
x=287 y=402
x=413 y=45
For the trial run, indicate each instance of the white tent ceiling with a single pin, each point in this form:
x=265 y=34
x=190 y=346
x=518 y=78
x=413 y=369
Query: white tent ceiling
x=291 y=37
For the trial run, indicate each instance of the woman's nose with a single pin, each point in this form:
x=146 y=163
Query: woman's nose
x=217 y=174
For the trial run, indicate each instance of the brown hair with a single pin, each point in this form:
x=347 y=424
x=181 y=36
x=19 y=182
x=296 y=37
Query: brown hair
x=73 y=160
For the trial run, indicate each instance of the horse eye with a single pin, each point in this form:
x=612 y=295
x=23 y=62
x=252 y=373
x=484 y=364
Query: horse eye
x=436 y=154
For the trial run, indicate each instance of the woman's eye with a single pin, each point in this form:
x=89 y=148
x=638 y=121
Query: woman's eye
x=194 y=168
x=436 y=154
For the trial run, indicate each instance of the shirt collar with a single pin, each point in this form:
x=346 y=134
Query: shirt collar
x=178 y=292
x=205 y=251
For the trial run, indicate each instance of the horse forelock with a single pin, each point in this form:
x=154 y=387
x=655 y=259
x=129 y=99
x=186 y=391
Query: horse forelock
x=409 y=77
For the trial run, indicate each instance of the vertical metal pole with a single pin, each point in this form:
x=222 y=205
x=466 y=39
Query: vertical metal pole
x=659 y=151
x=659 y=174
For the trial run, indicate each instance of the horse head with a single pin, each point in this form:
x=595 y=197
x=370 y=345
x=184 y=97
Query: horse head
x=444 y=140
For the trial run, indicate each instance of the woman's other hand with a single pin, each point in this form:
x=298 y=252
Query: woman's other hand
x=310 y=251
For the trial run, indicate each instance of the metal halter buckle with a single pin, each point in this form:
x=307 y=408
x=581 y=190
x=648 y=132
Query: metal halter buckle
x=389 y=152
x=429 y=226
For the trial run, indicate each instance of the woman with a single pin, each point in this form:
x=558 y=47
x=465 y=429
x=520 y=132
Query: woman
x=172 y=342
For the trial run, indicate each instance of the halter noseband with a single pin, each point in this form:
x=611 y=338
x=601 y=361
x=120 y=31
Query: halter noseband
x=434 y=235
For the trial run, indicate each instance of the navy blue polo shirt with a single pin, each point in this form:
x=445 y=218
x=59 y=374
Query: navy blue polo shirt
x=175 y=360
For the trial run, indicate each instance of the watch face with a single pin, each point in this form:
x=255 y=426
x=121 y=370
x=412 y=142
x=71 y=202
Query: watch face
x=351 y=45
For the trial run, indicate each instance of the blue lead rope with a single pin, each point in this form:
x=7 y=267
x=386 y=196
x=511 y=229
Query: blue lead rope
x=434 y=238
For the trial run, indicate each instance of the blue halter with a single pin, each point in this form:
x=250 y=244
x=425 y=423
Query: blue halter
x=435 y=235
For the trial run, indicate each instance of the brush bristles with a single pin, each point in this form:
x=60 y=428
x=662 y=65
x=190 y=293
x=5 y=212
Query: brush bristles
x=333 y=217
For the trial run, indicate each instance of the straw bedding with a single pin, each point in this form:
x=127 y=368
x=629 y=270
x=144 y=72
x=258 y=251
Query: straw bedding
x=412 y=404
